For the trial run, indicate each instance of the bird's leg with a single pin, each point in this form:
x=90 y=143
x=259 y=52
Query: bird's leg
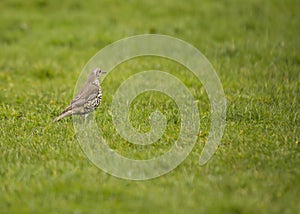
x=81 y=118
x=85 y=118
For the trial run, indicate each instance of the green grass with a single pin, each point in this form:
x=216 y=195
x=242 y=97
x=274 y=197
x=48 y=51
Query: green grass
x=254 y=47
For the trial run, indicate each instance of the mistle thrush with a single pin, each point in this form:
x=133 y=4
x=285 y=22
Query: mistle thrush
x=87 y=99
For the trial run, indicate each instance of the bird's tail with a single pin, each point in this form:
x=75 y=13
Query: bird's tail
x=64 y=114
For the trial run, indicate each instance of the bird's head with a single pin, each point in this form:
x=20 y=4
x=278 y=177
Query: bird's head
x=95 y=74
x=98 y=72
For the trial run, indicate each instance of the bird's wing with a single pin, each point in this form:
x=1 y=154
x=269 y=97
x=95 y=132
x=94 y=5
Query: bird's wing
x=85 y=96
x=80 y=93
x=81 y=100
x=88 y=92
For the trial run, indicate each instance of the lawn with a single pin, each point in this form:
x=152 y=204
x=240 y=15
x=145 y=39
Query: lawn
x=254 y=47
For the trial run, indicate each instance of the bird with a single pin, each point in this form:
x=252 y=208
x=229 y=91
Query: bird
x=87 y=99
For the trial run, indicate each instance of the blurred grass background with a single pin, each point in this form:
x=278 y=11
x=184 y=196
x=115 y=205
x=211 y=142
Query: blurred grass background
x=254 y=47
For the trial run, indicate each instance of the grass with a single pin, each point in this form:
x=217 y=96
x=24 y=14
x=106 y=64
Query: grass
x=254 y=47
